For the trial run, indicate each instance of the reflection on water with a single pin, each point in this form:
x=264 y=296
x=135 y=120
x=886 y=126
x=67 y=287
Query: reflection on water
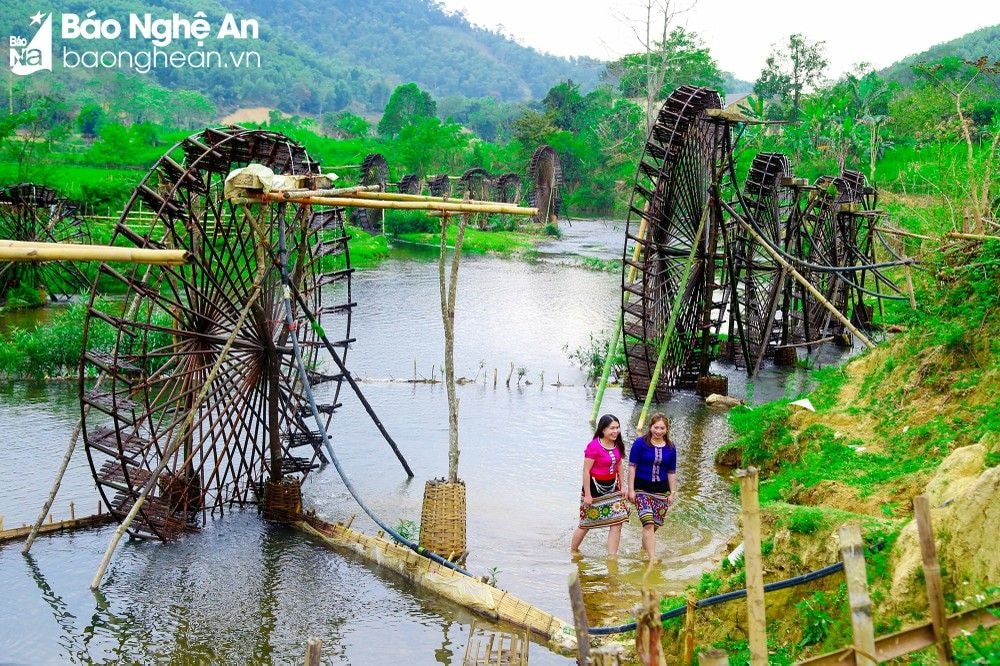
x=245 y=591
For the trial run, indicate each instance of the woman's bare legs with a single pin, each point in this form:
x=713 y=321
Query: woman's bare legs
x=614 y=536
x=649 y=540
x=578 y=534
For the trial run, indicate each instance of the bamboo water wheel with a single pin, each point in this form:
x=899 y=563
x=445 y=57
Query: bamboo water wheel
x=475 y=184
x=440 y=186
x=34 y=213
x=759 y=309
x=200 y=398
x=545 y=172
x=671 y=220
x=508 y=188
x=410 y=184
x=374 y=173
x=785 y=263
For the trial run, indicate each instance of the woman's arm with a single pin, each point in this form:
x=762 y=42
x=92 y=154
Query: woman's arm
x=588 y=463
x=630 y=495
x=672 y=481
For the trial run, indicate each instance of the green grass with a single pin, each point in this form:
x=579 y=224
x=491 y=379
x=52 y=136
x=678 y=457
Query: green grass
x=476 y=241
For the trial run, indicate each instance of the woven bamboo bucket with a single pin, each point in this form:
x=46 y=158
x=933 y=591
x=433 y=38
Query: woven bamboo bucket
x=442 y=519
x=282 y=501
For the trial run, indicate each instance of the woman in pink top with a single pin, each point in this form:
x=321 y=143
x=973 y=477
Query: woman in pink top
x=602 y=503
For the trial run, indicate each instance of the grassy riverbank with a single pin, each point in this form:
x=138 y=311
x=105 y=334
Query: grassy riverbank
x=919 y=414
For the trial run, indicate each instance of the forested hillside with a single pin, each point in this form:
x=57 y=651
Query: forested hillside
x=348 y=55
x=985 y=42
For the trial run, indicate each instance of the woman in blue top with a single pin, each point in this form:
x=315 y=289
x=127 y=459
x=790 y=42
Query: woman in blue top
x=652 y=479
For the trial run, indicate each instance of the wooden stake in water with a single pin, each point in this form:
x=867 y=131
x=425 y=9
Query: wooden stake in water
x=579 y=619
x=314 y=652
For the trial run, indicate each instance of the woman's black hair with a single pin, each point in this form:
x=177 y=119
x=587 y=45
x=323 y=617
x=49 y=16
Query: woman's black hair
x=603 y=423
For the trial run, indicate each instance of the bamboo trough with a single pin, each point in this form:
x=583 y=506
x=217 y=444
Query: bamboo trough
x=391 y=202
x=12 y=250
x=471 y=593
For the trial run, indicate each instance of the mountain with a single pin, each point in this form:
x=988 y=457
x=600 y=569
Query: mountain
x=324 y=56
x=983 y=42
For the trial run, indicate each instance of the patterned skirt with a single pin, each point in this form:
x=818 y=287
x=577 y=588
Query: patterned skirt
x=651 y=507
x=606 y=510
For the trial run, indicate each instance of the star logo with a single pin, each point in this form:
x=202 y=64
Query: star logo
x=37 y=18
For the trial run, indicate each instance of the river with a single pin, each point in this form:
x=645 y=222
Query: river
x=244 y=591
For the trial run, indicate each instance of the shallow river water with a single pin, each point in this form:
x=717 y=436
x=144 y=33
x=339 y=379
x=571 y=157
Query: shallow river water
x=244 y=591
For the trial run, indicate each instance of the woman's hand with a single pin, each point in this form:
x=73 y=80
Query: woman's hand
x=587 y=499
x=630 y=495
x=671 y=497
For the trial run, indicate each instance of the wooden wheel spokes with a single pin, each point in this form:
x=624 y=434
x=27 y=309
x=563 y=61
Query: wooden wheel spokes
x=202 y=373
x=508 y=188
x=545 y=172
x=410 y=184
x=36 y=213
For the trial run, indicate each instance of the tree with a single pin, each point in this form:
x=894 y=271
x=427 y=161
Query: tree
x=406 y=105
x=682 y=59
x=562 y=104
x=653 y=34
x=789 y=71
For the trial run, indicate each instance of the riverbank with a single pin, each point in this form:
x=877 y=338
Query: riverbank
x=916 y=415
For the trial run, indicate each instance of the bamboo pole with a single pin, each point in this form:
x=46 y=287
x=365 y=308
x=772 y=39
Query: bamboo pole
x=617 y=332
x=713 y=657
x=11 y=250
x=184 y=431
x=908 y=234
x=756 y=615
x=955 y=234
x=579 y=619
x=862 y=625
x=805 y=283
x=932 y=578
x=675 y=309
x=358 y=202
x=649 y=630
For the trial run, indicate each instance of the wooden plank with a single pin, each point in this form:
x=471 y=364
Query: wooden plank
x=579 y=619
x=912 y=639
x=932 y=578
x=756 y=614
x=17 y=533
x=862 y=625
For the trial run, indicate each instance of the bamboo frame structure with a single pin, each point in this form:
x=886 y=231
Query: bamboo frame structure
x=11 y=250
x=386 y=203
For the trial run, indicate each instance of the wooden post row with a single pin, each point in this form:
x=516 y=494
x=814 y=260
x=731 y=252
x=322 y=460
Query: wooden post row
x=932 y=578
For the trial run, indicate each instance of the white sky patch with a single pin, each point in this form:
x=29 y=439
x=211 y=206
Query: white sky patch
x=740 y=34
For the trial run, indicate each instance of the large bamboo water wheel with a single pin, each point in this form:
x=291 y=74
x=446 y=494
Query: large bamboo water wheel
x=672 y=225
x=35 y=213
x=545 y=173
x=200 y=401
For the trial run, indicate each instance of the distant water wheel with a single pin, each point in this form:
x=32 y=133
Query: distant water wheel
x=217 y=323
x=545 y=172
x=475 y=184
x=36 y=213
x=758 y=308
x=374 y=172
x=670 y=201
x=410 y=184
x=440 y=186
x=508 y=188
